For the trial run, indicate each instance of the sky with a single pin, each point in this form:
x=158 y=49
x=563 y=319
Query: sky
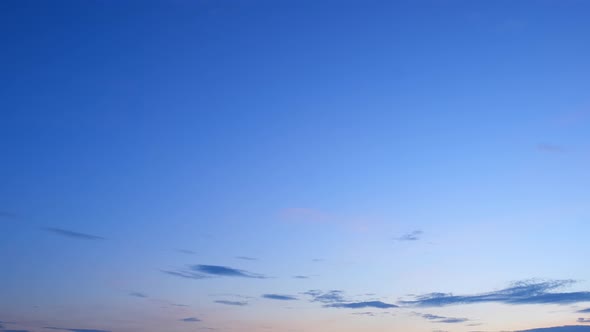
x=294 y=166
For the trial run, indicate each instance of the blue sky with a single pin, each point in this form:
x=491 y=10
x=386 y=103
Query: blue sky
x=294 y=165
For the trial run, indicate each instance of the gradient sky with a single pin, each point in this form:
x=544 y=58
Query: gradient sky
x=316 y=166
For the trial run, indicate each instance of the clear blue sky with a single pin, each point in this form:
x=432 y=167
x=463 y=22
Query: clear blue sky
x=294 y=165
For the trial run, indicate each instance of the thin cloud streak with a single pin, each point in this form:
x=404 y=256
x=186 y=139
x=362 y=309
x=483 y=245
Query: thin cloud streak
x=234 y=303
x=523 y=292
x=74 y=330
x=224 y=271
x=413 y=236
x=190 y=320
x=72 y=235
x=360 y=305
x=279 y=297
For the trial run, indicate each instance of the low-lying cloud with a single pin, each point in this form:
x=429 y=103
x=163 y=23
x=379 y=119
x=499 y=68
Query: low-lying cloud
x=523 y=292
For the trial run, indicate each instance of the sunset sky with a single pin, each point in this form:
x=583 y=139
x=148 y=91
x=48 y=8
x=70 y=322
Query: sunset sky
x=294 y=166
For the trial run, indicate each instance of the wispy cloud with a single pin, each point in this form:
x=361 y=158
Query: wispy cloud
x=523 y=292
x=335 y=299
x=583 y=320
x=571 y=328
x=331 y=296
x=304 y=215
x=74 y=330
x=137 y=294
x=185 y=251
x=360 y=305
x=185 y=274
x=236 y=303
x=301 y=277
x=584 y=311
x=412 y=236
x=442 y=319
x=190 y=320
x=246 y=258
x=72 y=235
x=224 y=271
x=279 y=297
x=5 y=215
x=550 y=148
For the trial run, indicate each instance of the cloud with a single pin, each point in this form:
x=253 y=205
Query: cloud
x=190 y=320
x=442 y=319
x=138 y=294
x=335 y=299
x=186 y=274
x=360 y=305
x=74 y=330
x=279 y=297
x=332 y=296
x=224 y=271
x=522 y=292
x=550 y=148
x=246 y=258
x=584 y=311
x=185 y=251
x=4 y=215
x=583 y=320
x=14 y=331
x=236 y=303
x=569 y=328
x=72 y=235
x=413 y=236
x=304 y=215
x=301 y=277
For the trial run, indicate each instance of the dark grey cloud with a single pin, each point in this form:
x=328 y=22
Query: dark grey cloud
x=137 y=294
x=568 y=328
x=442 y=319
x=190 y=320
x=224 y=271
x=583 y=320
x=74 y=330
x=279 y=297
x=246 y=258
x=413 y=236
x=522 y=292
x=236 y=303
x=185 y=274
x=584 y=311
x=360 y=305
x=72 y=235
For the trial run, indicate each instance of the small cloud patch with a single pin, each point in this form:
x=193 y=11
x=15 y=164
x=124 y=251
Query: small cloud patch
x=190 y=320
x=279 y=297
x=71 y=234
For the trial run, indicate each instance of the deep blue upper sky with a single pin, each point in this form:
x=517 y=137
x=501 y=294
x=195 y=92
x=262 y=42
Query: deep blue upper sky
x=227 y=154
